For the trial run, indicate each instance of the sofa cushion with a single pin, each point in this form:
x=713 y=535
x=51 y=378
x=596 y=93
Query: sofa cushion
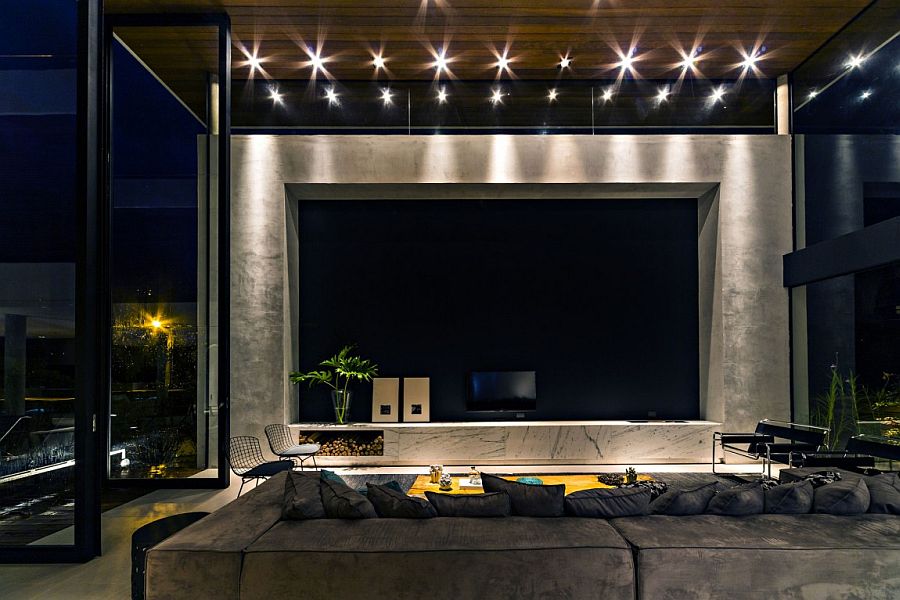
x=691 y=501
x=707 y=557
x=789 y=498
x=302 y=498
x=390 y=503
x=884 y=493
x=495 y=504
x=529 y=500
x=511 y=558
x=738 y=501
x=850 y=497
x=343 y=502
x=607 y=503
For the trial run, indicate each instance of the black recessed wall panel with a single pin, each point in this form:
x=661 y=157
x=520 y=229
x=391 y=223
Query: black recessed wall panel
x=599 y=297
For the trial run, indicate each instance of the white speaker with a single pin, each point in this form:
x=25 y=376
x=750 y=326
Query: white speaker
x=385 y=399
x=416 y=399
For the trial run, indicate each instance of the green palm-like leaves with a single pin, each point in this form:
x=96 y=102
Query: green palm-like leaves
x=340 y=366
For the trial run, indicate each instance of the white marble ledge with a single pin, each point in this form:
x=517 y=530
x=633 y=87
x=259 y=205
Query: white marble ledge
x=521 y=423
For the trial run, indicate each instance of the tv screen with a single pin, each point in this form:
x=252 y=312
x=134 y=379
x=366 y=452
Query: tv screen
x=512 y=391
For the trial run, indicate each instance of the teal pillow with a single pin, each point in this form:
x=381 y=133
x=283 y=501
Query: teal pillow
x=530 y=480
x=331 y=476
x=393 y=485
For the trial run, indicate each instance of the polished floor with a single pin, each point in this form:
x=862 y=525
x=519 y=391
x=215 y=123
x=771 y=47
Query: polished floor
x=108 y=577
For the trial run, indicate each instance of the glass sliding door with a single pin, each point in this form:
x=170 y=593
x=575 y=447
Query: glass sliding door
x=165 y=405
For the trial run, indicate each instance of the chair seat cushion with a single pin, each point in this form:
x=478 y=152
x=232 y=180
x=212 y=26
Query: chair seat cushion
x=269 y=468
x=301 y=450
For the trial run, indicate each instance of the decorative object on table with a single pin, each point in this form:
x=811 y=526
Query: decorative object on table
x=820 y=478
x=445 y=483
x=339 y=371
x=474 y=477
x=385 y=399
x=611 y=479
x=416 y=399
x=630 y=475
x=530 y=480
x=436 y=471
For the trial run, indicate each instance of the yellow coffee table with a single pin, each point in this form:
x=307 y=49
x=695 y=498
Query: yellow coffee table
x=573 y=483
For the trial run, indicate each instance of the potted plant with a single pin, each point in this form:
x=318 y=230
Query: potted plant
x=338 y=372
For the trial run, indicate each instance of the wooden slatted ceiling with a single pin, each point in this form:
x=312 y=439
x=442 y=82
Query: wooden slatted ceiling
x=535 y=34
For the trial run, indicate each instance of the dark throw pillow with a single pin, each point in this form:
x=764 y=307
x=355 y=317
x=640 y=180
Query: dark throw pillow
x=470 y=505
x=605 y=503
x=343 y=502
x=302 y=499
x=884 y=493
x=390 y=503
x=390 y=484
x=331 y=476
x=679 y=502
x=849 y=497
x=790 y=498
x=738 y=501
x=529 y=500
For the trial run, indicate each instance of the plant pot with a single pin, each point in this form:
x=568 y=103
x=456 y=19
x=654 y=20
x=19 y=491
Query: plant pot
x=341 y=402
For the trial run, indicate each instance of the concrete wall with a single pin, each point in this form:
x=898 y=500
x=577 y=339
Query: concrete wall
x=746 y=188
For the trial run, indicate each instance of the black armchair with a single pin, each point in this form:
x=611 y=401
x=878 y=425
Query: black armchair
x=247 y=461
x=762 y=443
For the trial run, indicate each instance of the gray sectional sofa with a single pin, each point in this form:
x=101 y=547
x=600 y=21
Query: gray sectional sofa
x=245 y=550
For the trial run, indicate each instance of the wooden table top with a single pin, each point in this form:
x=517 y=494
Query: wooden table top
x=573 y=483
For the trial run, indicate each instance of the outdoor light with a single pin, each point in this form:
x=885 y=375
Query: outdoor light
x=564 y=62
x=386 y=96
x=497 y=96
x=813 y=94
x=156 y=323
x=865 y=95
x=717 y=94
x=551 y=95
x=331 y=95
x=855 y=61
x=378 y=62
x=441 y=96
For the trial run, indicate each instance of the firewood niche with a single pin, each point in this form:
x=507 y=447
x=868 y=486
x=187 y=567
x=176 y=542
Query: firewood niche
x=345 y=443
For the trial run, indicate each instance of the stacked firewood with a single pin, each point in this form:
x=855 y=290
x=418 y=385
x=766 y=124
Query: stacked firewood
x=345 y=446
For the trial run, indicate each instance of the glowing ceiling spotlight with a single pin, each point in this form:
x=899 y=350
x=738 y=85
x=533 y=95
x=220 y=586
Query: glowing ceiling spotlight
x=386 y=96
x=275 y=95
x=663 y=94
x=378 y=62
x=497 y=96
x=564 y=62
x=331 y=95
x=607 y=94
x=316 y=61
x=626 y=61
x=717 y=94
x=442 y=96
x=855 y=61
x=752 y=58
x=254 y=63
x=440 y=61
x=551 y=95
x=502 y=63
x=690 y=59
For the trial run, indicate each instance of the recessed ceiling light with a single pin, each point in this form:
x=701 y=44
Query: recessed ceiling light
x=607 y=94
x=440 y=61
x=551 y=95
x=378 y=62
x=502 y=63
x=865 y=95
x=751 y=59
x=386 y=95
x=331 y=95
x=717 y=94
x=626 y=61
x=855 y=61
x=564 y=62
x=254 y=63
x=317 y=62
x=663 y=94
x=275 y=96
x=497 y=96
x=441 y=96
x=691 y=58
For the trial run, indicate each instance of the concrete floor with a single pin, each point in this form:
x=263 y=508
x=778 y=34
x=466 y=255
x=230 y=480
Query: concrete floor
x=108 y=577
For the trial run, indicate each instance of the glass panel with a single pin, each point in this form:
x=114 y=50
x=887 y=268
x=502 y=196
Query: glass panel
x=162 y=407
x=38 y=149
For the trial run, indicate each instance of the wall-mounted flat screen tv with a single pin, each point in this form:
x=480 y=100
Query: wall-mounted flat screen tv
x=502 y=391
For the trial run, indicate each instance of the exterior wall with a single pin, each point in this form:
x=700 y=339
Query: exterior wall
x=747 y=366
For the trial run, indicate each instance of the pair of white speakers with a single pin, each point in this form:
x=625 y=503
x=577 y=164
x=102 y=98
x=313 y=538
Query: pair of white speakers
x=386 y=399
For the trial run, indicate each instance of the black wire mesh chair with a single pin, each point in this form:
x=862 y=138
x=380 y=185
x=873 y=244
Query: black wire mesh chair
x=283 y=445
x=247 y=461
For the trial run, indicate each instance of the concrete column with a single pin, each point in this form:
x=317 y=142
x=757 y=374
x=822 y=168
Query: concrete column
x=14 y=364
x=783 y=105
